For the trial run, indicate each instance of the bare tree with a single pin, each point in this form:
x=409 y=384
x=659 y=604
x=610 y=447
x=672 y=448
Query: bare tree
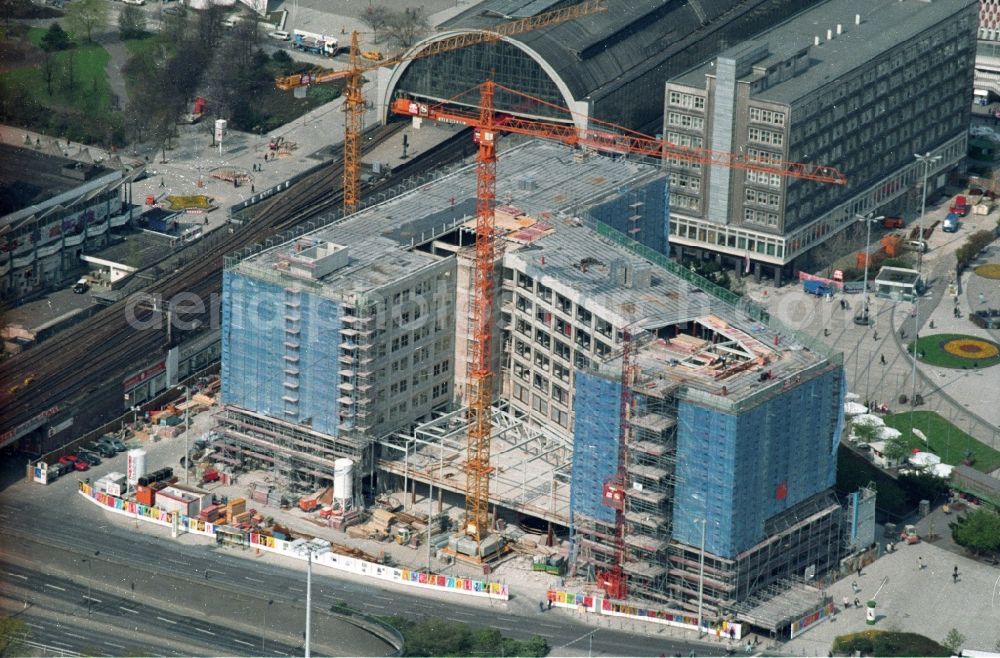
x=85 y=16
x=407 y=26
x=48 y=71
x=376 y=18
x=131 y=22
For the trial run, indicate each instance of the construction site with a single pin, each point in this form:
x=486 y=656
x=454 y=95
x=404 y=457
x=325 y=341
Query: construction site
x=362 y=349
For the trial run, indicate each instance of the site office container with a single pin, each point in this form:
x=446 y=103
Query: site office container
x=145 y=495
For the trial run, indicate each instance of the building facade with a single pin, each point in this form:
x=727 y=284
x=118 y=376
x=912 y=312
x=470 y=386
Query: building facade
x=848 y=84
x=55 y=210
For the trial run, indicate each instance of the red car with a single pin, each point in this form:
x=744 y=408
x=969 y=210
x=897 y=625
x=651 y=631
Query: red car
x=75 y=462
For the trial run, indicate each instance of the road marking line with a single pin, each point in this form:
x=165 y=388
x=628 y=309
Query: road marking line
x=91 y=598
x=169 y=621
x=34 y=625
x=75 y=635
x=242 y=642
x=17 y=575
x=112 y=644
x=134 y=612
x=203 y=630
x=280 y=653
x=61 y=589
x=383 y=598
x=62 y=644
x=255 y=580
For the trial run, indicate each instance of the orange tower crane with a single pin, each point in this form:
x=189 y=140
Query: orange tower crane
x=607 y=137
x=354 y=98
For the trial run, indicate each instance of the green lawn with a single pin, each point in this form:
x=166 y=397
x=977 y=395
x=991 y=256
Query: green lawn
x=933 y=352
x=943 y=439
x=140 y=46
x=89 y=91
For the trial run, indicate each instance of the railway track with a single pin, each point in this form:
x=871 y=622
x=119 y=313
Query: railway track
x=91 y=359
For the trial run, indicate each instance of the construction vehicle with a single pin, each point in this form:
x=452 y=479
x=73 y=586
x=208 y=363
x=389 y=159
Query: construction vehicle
x=313 y=42
x=194 y=116
x=599 y=136
x=354 y=99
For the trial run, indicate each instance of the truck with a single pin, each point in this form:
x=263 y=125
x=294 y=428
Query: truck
x=960 y=206
x=950 y=223
x=892 y=222
x=818 y=288
x=313 y=42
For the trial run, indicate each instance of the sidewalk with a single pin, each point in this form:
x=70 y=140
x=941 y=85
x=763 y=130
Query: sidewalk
x=925 y=602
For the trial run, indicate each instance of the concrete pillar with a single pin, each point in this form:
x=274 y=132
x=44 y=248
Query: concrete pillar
x=777 y=276
x=756 y=272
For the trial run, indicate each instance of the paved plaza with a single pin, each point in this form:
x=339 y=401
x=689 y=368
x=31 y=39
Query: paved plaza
x=909 y=599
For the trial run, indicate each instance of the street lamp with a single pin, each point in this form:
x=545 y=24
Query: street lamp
x=309 y=575
x=263 y=629
x=927 y=159
x=90 y=578
x=187 y=426
x=867 y=219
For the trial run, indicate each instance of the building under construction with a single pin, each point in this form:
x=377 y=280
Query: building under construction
x=352 y=341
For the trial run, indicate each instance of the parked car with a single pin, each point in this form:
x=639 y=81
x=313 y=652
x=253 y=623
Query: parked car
x=172 y=10
x=81 y=286
x=68 y=459
x=115 y=444
x=105 y=450
x=58 y=470
x=81 y=465
x=280 y=35
x=90 y=457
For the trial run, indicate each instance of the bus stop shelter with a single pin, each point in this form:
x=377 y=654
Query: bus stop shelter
x=898 y=284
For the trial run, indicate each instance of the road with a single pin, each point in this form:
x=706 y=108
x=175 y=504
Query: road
x=147 y=592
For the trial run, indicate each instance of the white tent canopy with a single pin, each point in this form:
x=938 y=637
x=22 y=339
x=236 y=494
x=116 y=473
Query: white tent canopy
x=868 y=419
x=924 y=459
x=942 y=470
x=889 y=433
x=854 y=408
x=852 y=396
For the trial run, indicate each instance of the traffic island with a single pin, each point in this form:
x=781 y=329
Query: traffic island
x=956 y=351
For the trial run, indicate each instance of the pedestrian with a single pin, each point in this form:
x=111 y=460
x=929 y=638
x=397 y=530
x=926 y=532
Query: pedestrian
x=882 y=359
x=982 y=298
x=550 y=604
x=920 y=563
x=826 y=332
x=857 y=603
x=541 y=606
x=954 y=574
x=732 y=633
x=847 y=603
x=859 y=568
x=206 y=221
x=854 y=586
x=902 y=334
x=875 y=335
x=252 y=190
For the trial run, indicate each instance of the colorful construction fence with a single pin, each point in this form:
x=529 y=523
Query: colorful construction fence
x=593 y=603
x=405 y=577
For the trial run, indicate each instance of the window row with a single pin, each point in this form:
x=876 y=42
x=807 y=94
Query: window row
x=685 y=182
x=761 y=136
x=760 y=217
x=764 y=178
x=685 y=121
x=762 y=198
x=683 y=139
x=760 y=115
x=690 y=101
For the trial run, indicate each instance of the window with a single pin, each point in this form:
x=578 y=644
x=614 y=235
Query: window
x=603 y=327
x=759 y=197
x=544 y=293
x=521 y=393
x=543 y=316
x=601 y=348
x=683 y=139
x=539 y=404
x=684 y=201
x=560 y=416
x=560 y=371
x=540 y=383
x=760 y=115
x=522 y=327
x=524 y=281
x=542 y=361
x=685 y=182
x=522 y=304
x=764 y=178
x=581 y=360
x=542 y=338
x=760 y=217
x=761 y=136
x=583 y=339
x=685 y=121
x=521 y=348
x=565 y=305
x=559 y=394
x=583 y=315
x=520 y=371
x=563 y=327
x=562 y=350
x=689 y=101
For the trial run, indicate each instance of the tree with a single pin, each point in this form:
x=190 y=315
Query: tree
x=406 y=26
x=55 y=38
x=865 y=433
x=13 y=633
x=895 y=449
x=69 y=80
x=48 y=71
x=131 y=23
x=953 y=641
x=376 y=18
x=977 y=531
x=85 y=16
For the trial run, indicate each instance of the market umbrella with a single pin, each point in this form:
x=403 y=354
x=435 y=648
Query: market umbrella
x=868 y=419
x=888 y=433
x=852 y=396
x=854 y=408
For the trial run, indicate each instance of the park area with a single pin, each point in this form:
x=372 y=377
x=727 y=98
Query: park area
x=956 y=351
x=944 y=439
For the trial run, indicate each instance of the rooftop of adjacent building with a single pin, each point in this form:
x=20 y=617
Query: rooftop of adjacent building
x=544 y=180
x=884 y=25
x=30 y=177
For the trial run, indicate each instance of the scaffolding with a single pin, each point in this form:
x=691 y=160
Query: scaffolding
x=299 y=459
